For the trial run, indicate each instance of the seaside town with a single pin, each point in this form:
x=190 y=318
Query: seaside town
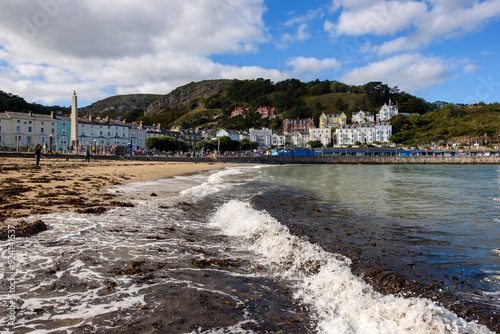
x=334 y=135
x=62 y=134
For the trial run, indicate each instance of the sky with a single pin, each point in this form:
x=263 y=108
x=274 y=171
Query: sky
x=439 y=50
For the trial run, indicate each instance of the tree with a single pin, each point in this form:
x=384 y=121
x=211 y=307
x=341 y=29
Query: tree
x=414 y=105
x=315 y=143
x=206 y=146
x=227 y=144
x=247 y=145
x=166 y=143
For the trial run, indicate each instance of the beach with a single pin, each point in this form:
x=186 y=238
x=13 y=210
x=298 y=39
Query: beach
x=60 y=185
x=200 y=248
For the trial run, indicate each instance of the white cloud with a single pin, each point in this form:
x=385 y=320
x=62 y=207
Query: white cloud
x=106 y=29
x=426 y=21
x=312 y=14
x=470 y=69
x=310 y=67
x=410 y=73
x=301 y=35
x=353 y=4
x=51 y=47
x=385 y=18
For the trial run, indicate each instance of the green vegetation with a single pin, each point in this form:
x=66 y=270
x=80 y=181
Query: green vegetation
x=166 y=143
x=10 y=102
x=449 y=123
x=225 y=144
x=315 y=143
x=208 y=104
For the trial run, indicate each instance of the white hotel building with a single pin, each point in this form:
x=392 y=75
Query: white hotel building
x=364 y=133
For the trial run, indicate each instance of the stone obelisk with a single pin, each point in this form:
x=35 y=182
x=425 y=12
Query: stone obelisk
x=74 y=122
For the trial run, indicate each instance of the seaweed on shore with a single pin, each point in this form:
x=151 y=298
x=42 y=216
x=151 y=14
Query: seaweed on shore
x=22 y=229
x=95 y=210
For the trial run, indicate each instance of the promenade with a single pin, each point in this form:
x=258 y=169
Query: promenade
x=279 y=160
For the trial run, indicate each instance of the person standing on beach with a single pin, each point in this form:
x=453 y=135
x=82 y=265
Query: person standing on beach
x=38 y=153
x=87 y=156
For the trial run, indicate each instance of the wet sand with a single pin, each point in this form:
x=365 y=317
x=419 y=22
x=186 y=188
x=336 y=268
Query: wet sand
x=58 y=185
x=198 y=305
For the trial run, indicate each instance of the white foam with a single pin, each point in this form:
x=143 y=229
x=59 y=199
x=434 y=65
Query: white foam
x=342 y=302
x=214 y=184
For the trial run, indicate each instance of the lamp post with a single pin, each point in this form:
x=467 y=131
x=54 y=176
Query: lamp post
x=50 y=143
x=95 y=147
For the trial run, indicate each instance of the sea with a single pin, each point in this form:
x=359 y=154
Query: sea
x=269 y=249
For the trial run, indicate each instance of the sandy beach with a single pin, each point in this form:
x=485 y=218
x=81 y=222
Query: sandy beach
x=59 y=185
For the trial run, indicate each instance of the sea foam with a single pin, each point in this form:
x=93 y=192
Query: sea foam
x=340 y=301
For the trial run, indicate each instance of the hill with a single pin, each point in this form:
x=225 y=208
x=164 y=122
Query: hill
x=208 y=104
x=10 y=102
x=124 y=106
x=450 y=124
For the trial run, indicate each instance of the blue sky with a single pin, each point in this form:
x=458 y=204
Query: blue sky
x=444 y=50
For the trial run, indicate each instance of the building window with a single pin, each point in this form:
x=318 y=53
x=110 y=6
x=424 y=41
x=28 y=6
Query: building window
x=18 y=129
x=18 y=121
x=42 y=130
x=30 y=129
x=42 y=123
x=53 y=131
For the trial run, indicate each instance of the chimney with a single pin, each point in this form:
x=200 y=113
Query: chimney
x=140 y=124
x=106 y=118
x=52 y=114
x=90 y=118
x=30 y=113
x=124 y=121
x=158 y=126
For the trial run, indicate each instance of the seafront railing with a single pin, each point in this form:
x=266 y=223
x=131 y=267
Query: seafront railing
x=280 y=160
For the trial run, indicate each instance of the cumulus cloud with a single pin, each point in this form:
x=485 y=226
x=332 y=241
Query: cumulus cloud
x=105 y=29
x=410 y=72
x=51 y=47
x=384 y=18
x=301 y=35
x=423 y=22
x=310 y=67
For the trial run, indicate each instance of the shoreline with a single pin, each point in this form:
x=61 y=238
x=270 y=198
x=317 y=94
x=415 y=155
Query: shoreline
x=278 y=160
x=381 y=259
x=61 y=185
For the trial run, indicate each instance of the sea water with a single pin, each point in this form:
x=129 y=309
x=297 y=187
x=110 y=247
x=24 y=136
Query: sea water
x=83 y=273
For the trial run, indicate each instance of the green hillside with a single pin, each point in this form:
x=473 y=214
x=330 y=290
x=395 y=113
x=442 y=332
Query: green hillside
x=10 y=102
x=450 y=124
x=209 y=103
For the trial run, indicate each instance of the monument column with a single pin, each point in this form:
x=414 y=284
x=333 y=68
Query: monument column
x=74 y=122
